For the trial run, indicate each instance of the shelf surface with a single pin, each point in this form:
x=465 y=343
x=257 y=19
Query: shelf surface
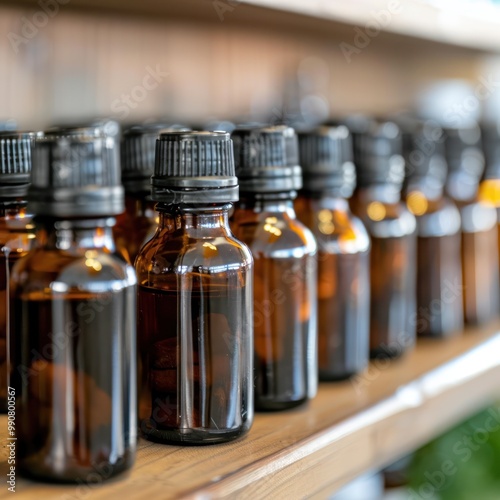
x=349 y=428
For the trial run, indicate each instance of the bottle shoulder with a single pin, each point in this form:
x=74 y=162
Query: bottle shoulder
x=178 y=253
x=94 y=270
x=478 y=217
x=442 y=218
x=275 y=235
x=386 y=220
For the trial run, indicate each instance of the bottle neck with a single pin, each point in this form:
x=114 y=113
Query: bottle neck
x=74 y=234
x=193 y=217
x=138 y=205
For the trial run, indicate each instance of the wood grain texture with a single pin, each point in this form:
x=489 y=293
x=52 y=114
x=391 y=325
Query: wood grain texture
x=349 y=428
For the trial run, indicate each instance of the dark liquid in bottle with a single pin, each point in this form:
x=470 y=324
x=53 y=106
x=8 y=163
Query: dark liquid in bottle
x=480 y=276
x=193 y=354
x=7 y=260
x=439 y=286
x=342 y=330
x=393 y=288
x=73 y=406
x=282 y=339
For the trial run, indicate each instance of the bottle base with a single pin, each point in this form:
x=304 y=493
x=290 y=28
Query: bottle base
x=338 y=377
x=271 y=406
x=190 y=437
x=388 y=352
x=90 y=475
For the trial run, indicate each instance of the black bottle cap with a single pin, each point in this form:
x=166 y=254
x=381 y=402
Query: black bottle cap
x=424 y=152
x=76 y=173
x=15 y=163
x=490 y=134
x=194 y=167
x=378 y=148
x=266 y=159
x=138 y=154
x=326 y=159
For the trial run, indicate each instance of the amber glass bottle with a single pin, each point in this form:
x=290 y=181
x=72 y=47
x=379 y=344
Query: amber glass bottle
x=489 y=188
x=377 y=201
x=137 y=224
x=344 y=251
x=195 y=299
x=284 y=251
x=479 y=225
x=16 y=231
x=439 y=268
x=73 y=318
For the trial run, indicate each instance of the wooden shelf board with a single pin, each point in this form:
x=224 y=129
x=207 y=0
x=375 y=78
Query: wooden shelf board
x=462 y=24
x=349 y=428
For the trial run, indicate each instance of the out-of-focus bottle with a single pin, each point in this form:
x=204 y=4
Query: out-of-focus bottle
x=479 y=225
x=392 y=227
x=137 y=224
x=439 y=266
x=17 y=231
x=343 y=251
x=195 y=299
x=73 y=317
x=284 y=251
x=489 y=189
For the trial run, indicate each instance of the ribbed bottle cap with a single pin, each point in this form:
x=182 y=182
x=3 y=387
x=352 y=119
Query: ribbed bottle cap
x=138 y=154
x=326 y=159
x=76 y=173
x=194 y=167
x=377 y=152
x=490 y=134
x=15 y=163
x=266 y=159
x=424 y=152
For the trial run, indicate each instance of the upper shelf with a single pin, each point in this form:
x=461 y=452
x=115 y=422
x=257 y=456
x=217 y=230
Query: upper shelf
x=467 y=24
x=348 y=429
x=460 y=23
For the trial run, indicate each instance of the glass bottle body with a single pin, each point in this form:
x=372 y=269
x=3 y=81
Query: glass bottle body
x=73 y=325
x=135 y=226
x=392 y=268
x=194 y=329
x=439 y=268
x=480 y=262
x=343 y=284
x=16 y=238
x=285 y=305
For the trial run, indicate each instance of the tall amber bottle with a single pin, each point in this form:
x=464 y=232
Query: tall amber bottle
x=73 y=318
x=392 y=227
x=479 y=225
x=195 y=299
x=343 y=251
x=284 y=251
x=489 y=188
x=439 y=266
x=17 y=231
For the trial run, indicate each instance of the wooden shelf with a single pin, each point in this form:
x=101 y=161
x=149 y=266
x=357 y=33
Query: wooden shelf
x=458 y=23
x=463 y=24
x=350 y=428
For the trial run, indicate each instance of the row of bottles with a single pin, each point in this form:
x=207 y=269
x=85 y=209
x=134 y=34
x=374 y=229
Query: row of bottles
x=264 y=260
